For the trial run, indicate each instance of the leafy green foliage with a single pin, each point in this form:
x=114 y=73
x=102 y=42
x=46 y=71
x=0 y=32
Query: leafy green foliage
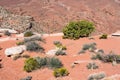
x=103 y=36
x=33 y=46
x=31 y=64
x=28 y=33
x=75 y=30
x=60 y=72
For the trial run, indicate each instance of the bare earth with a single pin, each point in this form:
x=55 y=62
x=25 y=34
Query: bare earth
x=13 y=70
x=55 y=14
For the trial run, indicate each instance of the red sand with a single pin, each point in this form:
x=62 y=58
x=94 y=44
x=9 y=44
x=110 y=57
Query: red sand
x=13 y=70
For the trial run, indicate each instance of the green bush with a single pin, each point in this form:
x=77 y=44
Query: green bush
x=30 y=65
x=103 y=36
x=28 y=34
x=33 y=46
x=59 y=45
x=60 y=72
x=75 y=30
x=54 y=63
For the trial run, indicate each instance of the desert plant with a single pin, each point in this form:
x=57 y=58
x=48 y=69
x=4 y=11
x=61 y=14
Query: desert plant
x=7 y=33
x=59 y=45
x=54 y=63
x=92 y=66
x=60 y=72
x=27 y=78
x=42 y=61
x=34 y=38
x=96 y=76
x=30 y=65
x=81 y=52
x=33 y=46
x=28 y=33
x=20 y=43
x=103 y=36
x=75 y=30
x=60 y=52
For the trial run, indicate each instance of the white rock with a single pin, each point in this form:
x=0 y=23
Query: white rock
x=14 y=50
x=52 y=52
x=12 y=31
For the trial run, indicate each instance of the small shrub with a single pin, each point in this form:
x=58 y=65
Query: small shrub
x=60 y=72
x=28 y=34
x=60 y=52
x=103 y=36
x=41 y=61
x=7 y=33
x=30 y=65
x=101 y=51
x=96 y=76
x=57 y=43
x=91 y=47
x=92 y=66
x=54 y=63
x=81 y=52
x=75 y=30
x=27 y=78
x=20 y=43
x=33 y=46
x=34 y=38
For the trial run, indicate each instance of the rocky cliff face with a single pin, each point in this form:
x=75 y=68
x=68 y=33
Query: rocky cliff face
x=53 y=15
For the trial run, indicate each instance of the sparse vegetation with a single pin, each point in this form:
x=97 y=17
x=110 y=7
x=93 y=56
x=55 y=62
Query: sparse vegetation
x=60 y=72
x=28 y=33
x=7 y=33
x=31 y=64
x=59 y=45
x=20 y=43
x=60 y=52
x=27 y=78
x=97 y=76
x=92 y=66
x=91 y=47
x=75 y=30
x=37 y=62
x=103 y=36
x=33 y=46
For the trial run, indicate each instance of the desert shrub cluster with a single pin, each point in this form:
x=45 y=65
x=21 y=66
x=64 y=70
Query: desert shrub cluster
x=7 y=33
x=37 y=63
x=97 y=76
x=77 y=29
x=34 y=46
x=91 y=47
x=92 y=66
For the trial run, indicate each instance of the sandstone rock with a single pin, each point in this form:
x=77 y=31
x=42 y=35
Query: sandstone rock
x=14 y=50
x=52 y=52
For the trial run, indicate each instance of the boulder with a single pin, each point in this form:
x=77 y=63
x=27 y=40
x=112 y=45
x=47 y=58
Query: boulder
x=52 y=52
x=12 y=31
x=14 y=50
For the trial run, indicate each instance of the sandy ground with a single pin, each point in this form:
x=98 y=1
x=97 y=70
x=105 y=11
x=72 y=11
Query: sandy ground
x=13 y=70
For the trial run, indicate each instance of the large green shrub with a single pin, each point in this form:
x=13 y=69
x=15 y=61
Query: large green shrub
x=75 y=30
x=30 y=65
x=60 y=72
